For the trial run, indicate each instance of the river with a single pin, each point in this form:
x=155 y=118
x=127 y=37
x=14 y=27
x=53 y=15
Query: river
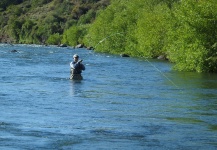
x=122 y=103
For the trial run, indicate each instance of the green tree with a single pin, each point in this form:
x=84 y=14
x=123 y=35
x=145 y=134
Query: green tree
x=26 y=30
x=100 y=30
x=5 y=3
x=192 y=45
x=113 y=29
x=14 y=27
x=54 y=39
x=152 y=27
x=74 y=35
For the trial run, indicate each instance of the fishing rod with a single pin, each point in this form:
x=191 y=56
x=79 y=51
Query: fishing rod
x=120 y=33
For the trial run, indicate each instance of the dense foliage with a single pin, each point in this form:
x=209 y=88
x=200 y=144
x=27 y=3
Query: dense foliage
x=184 y=31
x=46 y=21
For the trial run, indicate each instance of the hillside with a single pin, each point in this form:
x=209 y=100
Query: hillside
x=183 y=32
x=25 y=21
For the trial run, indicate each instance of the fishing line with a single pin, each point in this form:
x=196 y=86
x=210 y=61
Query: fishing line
x=121 y=33
x=158 y=70
x=161 y=73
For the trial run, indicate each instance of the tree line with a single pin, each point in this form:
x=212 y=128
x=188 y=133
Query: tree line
x=47 y=21
x=184 y=31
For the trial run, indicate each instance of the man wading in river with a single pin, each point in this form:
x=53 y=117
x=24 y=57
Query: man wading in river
x=76 y=68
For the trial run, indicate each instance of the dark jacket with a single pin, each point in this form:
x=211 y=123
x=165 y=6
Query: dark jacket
x=76 y=67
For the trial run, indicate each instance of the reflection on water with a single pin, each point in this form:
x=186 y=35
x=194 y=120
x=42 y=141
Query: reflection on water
x=186 y=120
x=122 y=103
x=195 y=80
x=75 y=87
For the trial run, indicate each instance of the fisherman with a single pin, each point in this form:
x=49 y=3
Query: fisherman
x=76 y=68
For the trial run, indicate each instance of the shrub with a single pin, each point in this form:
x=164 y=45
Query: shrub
x=54 y=39
x=192 y=40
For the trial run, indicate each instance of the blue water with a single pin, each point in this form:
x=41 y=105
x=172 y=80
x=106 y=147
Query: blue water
x=122 y=103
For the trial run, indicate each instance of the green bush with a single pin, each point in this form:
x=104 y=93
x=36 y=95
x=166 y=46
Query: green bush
x=74 y=35
x=191 y=41
x=152 y=29
x=87 y=18
x=26 y=30
x=184 y=31
x=14 y=27
x=105 y=34
x=54 y=39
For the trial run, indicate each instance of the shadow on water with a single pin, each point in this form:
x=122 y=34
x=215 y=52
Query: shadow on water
x=197 y=103
x=192 y=80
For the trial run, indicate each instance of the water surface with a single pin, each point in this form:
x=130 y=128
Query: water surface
x=122 y=103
